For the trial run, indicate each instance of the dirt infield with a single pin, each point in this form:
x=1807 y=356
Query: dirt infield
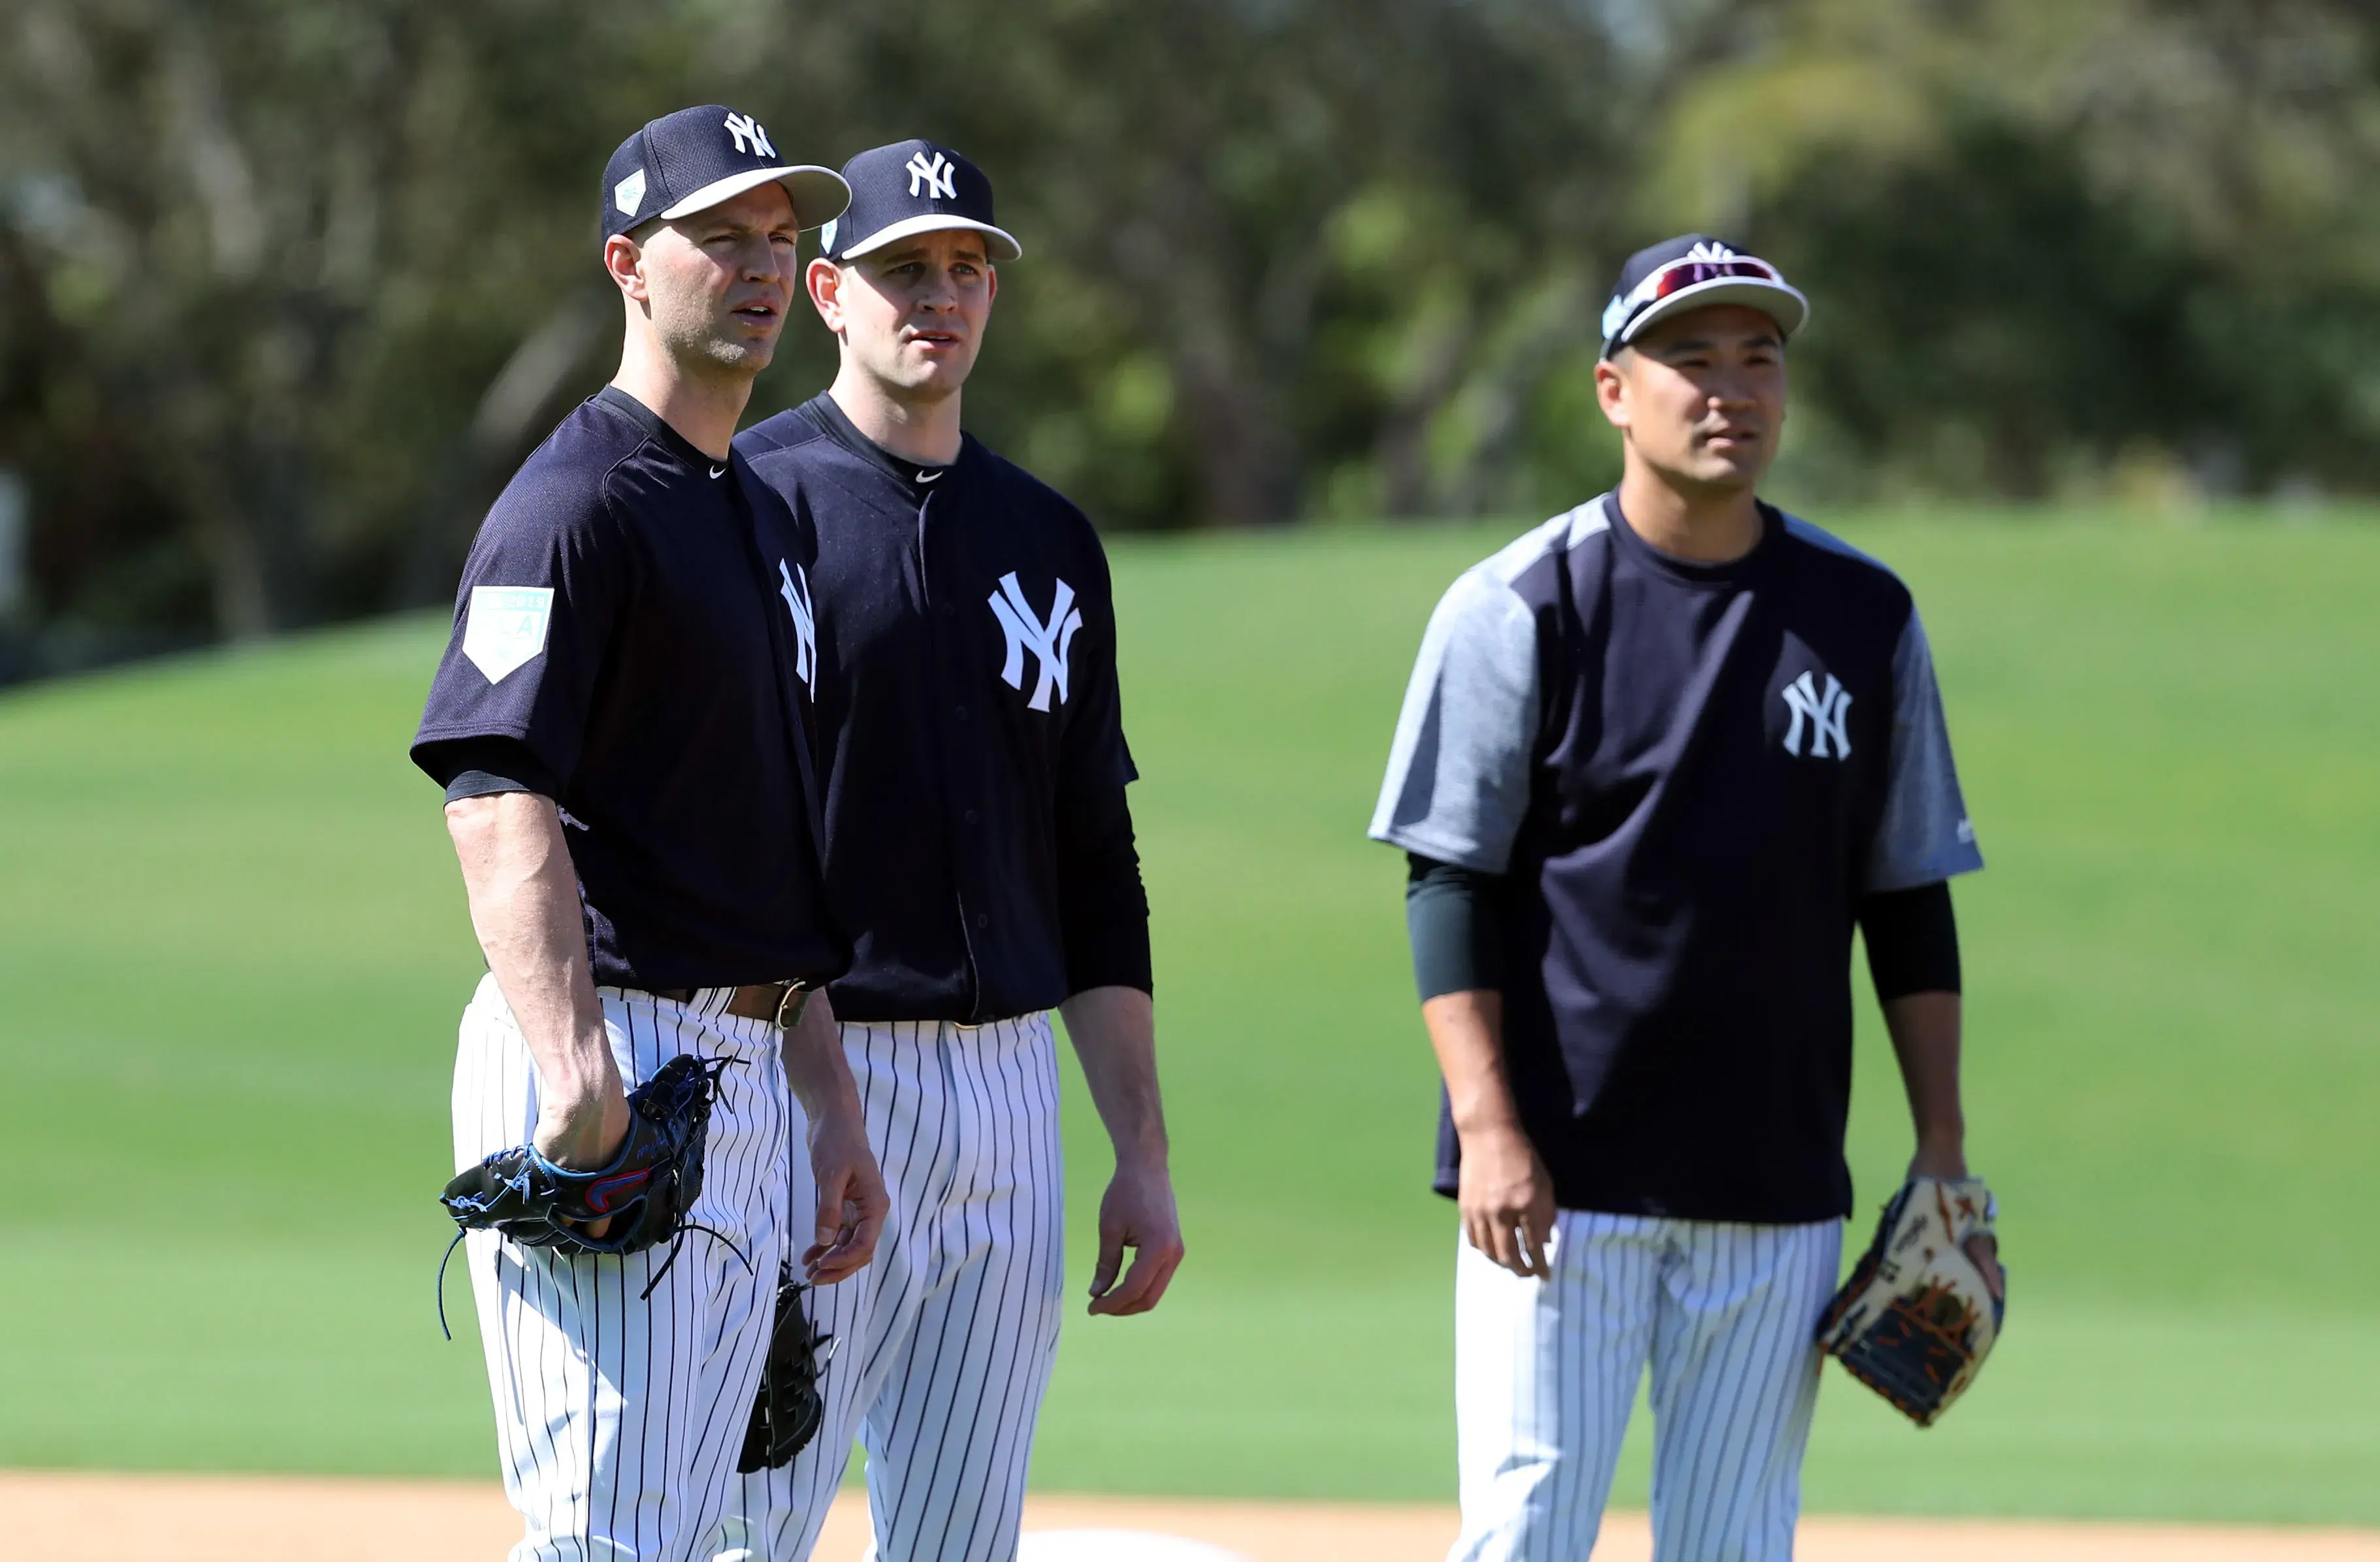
x=87 y=1517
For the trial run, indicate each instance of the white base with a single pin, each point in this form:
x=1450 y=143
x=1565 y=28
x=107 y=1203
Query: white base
x=1110 y=1546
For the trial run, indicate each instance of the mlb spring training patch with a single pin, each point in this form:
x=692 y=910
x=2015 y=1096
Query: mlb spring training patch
x=505 y=626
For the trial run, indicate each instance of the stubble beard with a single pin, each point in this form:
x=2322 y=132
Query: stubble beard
x=703 y=337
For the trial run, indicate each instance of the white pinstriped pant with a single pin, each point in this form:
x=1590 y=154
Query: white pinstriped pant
x=1545 y=1374
x=618 y=1420
x=943 y=1344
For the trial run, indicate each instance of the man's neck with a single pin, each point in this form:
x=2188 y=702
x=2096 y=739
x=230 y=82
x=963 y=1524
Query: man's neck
x=704 y=408
x=924 y=432
x=1704 y=526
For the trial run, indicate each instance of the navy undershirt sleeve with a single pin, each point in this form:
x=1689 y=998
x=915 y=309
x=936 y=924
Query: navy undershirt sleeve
x=478 y=766
x=1912 y=941
x=1102 y=905
x=1451 y=920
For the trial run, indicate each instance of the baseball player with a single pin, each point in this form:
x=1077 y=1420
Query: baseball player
x=620 y=647
x=978 y=835
x=1659 y=756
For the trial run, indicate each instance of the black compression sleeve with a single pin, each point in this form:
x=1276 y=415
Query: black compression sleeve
x=476 y=767
x=1458 y=939
x=1912 y=941
x=1102 y=906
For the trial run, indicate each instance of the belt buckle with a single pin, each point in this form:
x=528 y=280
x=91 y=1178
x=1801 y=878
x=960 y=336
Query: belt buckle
x=791 y=1001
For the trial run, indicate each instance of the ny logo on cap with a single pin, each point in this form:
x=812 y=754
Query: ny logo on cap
x=941 y=177
x=745 y=128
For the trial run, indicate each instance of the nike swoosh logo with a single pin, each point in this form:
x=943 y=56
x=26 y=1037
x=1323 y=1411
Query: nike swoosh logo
x=925 y=477
x=719 y=471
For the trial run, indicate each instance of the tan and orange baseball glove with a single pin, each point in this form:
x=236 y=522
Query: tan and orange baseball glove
x=1918 y=1315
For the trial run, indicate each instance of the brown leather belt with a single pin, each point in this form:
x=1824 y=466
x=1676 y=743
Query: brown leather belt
x=779 y=1001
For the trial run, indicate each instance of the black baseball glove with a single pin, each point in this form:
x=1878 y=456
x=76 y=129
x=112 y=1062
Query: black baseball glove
x=645 y=1191
x=785 y=1415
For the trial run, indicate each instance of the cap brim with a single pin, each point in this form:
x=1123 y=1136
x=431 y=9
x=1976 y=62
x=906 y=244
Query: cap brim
x=935 y=222
x=818 y=194
x=1779 y=301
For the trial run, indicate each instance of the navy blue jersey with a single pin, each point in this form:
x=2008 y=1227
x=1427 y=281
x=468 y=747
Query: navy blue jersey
x=1688 y=777
x=631 y=623
x=977 y=841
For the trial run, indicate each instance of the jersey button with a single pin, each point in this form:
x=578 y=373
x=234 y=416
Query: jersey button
x=981 y=922
x=959 y=711
x=948 y=610
x=969 y=816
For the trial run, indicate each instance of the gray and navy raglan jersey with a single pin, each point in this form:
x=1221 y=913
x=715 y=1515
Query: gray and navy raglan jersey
x=1687 y=777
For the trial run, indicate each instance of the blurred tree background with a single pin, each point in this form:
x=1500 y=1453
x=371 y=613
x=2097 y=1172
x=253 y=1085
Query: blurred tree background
x=287 y=286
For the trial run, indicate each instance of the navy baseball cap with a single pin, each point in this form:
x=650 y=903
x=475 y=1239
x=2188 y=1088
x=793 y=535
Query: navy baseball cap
x=692 y=160
x=1693 y=273
x=912 y=188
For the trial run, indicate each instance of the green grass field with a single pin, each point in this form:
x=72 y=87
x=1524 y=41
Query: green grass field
x=233 y=947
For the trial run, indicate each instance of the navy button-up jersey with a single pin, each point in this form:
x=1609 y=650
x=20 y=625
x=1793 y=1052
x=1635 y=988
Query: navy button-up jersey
x=630 y=618
x=972 y=747
x=1689 y=776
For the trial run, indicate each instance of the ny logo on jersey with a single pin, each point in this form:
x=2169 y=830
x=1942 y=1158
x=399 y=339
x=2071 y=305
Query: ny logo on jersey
x=743 y=128
x=1048 y=641
x=1823 y=714
x=795 y=590
x=940 y=178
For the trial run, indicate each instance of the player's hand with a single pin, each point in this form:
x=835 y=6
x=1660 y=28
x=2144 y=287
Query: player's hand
x=852 y=1203
x=1948 y=1160
x=1507 y=1200
x=584 y=1134
x=1138 y=1213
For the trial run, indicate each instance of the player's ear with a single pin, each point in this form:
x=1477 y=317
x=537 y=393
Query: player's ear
x=624 y=258
x=1611 y=389
x=823 y=281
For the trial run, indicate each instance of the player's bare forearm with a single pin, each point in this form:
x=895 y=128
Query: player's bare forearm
x=1114 y=1033
x=1925 y=1028
x=1466 y=1031
x=852 y=1201
x=1925 y=1031
x=816 y=1069
x=1506 y=1197
x=525 y=908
